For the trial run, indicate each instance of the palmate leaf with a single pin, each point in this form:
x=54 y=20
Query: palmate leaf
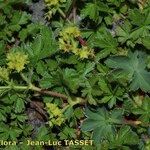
x=18 y=19
x=104 y=40
x=146 y=42
x=126 y=32
x=71 y=79
x=44 y=45
x=95 y=8
x=139 y=18
x=42 y=134
x=7 y=132
x=123 y=32
x=142 y=23
x=87 y=11
x=133 y=64
x=125 y=136
x=91 y=89
x=114 y=2
x=30 y=30
x=144 y=110
x=101 y=122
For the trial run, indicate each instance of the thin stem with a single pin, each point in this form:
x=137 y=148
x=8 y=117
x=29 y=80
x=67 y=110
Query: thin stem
x=34 y=88
x=14 y=87
x=69 y=12
x=74 y=14
x=24 y=78
x=63 y=15
x=135 y=123
x=47 y=92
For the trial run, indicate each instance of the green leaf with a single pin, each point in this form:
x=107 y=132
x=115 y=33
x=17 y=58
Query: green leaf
x=104 y=40
x=134 y=64
x=90 y=91
x=49 y=44
x=103 y=85
x=46 y=82
x=43 y=134
x=91 y=7
x=139 y=18
x=142 y=21
x=2 y=116
x=123 y=32
x=41 y=68
x=101 y=122
x=44 y=45
x=68 y=113
x=72 y=79
x=19 y=105
x=95 y=8
x=19 y=18
x=125 y=136
x=2 y=50
x=30 y=30
x=7 y=132
x=79 y=113
x=67 y=132
x=143 y=110
x=146 y=42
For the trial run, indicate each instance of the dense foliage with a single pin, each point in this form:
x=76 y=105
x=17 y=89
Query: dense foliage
x=75 y=69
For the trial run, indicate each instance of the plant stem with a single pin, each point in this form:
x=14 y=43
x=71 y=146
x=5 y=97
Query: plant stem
x=47 y=92
x=34 y=88
x=63 y=15
x=69 y=12
x=14 y=87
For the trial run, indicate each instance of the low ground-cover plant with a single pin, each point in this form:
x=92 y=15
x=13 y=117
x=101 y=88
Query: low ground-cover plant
x=79 y=73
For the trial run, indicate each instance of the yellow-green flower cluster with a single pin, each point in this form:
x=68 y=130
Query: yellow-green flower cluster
x=70 y=31
x=53 y=6
x=68 y=42
x=56 y=114
x=17 y=61
x=85 y=52
x=54 y=2
x=4 y=74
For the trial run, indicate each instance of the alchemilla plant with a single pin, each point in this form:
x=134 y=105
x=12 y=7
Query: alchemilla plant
x=80 y=72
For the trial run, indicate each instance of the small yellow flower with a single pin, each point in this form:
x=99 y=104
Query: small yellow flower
x=68 y=42
x=17 y=61
x=56 y=115
x=48 y=15
x=72 y=30
x=4 y=74
x=54 y=2
x=65 y=46
x=75 y=48
x=85 y=52
x=53 y=109
x=57 y=121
